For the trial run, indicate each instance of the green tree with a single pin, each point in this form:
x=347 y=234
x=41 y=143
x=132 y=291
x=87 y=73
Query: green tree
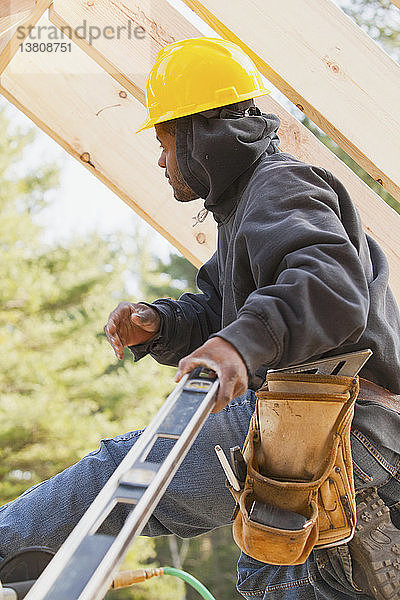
x=61 y=388
x=158 y=277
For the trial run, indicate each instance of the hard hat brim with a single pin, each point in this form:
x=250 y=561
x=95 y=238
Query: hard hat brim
x=146 y=124
x=150 y=122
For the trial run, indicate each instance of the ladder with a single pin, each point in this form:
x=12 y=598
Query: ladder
x=84 y=566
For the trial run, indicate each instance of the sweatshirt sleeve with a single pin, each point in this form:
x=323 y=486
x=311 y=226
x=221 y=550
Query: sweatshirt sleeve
x=310 y=290
x=185 y=323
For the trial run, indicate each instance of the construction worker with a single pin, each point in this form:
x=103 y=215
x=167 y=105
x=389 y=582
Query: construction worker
x=294 y=279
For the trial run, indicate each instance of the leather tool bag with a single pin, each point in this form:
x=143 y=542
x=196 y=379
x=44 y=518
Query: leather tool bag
x=298 y=459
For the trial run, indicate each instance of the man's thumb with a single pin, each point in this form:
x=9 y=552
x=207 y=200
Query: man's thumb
x=139 y=318
x=144 y=317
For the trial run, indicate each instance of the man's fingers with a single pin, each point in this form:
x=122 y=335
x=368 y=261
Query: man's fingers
x=185 y=366
x=142 y=320
x=180 y=372
x=225 y=395
x=112 y=337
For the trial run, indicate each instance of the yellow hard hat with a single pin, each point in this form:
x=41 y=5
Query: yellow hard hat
x=197 y=74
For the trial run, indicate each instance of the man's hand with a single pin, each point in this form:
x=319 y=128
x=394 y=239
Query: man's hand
x=131 y=324
x=220 y=356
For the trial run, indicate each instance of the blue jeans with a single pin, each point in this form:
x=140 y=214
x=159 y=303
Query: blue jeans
x=197 y=501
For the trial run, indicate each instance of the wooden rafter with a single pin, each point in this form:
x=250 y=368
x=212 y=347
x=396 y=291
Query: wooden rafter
x=28 y=17
x=328 y=67
x=92 y=117
x=91 y=101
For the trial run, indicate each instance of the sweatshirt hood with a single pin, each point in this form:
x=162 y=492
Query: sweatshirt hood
x=218 y=149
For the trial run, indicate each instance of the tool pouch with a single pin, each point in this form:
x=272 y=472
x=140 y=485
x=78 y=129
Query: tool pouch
x=298 y=459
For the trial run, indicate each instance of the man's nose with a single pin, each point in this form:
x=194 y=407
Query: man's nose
x=161 y=160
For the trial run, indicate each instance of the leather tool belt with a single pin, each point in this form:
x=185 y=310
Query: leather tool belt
x=299 y=490
x=375 y=393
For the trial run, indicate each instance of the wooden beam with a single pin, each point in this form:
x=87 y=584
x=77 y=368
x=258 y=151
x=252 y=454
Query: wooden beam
x=136 y=32
x=15 y=38
x=101 y=60
x=13 y=21
x=328 y=67
x=396 y=3
x=81 y=107
x=4 y=39
x=378 y=218
x=73 y=114
x=8 y=8
x=12 y=14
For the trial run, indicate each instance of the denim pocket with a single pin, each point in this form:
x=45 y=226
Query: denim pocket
x=257 y=581
x=375 y=466
x=336 y=569
x=361 y=478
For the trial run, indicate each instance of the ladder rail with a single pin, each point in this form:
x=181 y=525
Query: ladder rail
x=138 y=518
x=180 y=418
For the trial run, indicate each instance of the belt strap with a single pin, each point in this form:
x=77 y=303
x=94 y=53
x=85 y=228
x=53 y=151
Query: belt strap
x=376 y=393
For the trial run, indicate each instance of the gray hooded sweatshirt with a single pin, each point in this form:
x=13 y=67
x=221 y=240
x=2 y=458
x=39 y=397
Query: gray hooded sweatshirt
x=294 y=277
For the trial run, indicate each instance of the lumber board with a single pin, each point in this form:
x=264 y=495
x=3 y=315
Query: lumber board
x=10 y=44
x=12 y=14
x=380 y=220
x=396 y=3
x=124 y=56
x=322 y=61
x=85 y=110
x=10 y=8
x=8 y=23
x=4 y=40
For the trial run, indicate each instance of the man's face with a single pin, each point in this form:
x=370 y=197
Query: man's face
x=167 y=161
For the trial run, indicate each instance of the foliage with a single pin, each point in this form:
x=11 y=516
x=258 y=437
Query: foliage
x=169 y=279
x=211 y=558
x=158 y=277
x=61 y=388
x=157 y=588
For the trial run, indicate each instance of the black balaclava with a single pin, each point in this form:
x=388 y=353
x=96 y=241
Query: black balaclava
x=216 y=147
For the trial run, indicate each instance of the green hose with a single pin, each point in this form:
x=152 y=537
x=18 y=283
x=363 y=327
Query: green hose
x=199 y=587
